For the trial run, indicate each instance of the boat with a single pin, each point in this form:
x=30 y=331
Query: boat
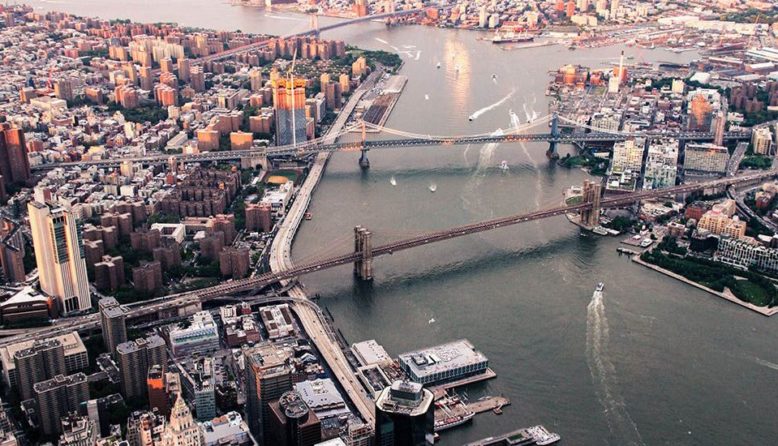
x=438 y=64
x=494 y=76
x=393 y=181
x=535 y=435
x=512 y=37
x=433 y=187
x=646 y=243
x=542 y=436
x=426 y=97
x=453 y=421
x=600 y=287
x=572 y=47
x=308 y=216
x=504 y=165
x=599 y=230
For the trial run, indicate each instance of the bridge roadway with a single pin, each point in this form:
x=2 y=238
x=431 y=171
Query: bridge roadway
x=311 y=149
x=243 y=285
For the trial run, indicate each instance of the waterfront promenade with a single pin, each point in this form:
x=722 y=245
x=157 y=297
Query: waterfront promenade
x=726 y=294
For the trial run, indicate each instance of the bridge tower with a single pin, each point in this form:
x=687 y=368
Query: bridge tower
x=592 y=193
x=552 y=151
x=315 y=24
x=363 y=247
x=364 y=163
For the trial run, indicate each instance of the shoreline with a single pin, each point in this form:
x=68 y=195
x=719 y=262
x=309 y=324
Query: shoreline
x=764 y=311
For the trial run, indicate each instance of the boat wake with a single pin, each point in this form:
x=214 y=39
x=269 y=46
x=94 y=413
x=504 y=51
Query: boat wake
x=768 y=364
x=488 y=108
x=280 y=17
x=471 y=198
x=603 y=373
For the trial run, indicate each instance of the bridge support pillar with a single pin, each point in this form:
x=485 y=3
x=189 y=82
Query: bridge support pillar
x=592 y=192
x=364 y=163
x=552 y=144
x=363 y=247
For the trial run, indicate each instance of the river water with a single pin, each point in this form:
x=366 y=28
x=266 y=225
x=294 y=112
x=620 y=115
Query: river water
x=652 y=362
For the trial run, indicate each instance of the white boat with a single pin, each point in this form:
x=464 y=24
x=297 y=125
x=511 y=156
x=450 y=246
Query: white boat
x=426 y=97
x=433 y=187
x=600 y=287
x=438 y=64
x=431 y=321
x=542 y=436
x=393 y=181
x=504 y=165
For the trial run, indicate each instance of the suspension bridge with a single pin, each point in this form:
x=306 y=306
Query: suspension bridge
x=403 y=139
x=364 y=251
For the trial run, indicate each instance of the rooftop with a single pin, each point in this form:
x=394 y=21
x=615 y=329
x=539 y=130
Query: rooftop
x=440 y=358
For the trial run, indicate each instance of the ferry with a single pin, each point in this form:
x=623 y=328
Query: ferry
x=600 y=287
x=512 y=37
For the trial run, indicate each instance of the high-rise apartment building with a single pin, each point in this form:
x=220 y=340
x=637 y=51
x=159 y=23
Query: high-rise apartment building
x=661 y=164
x=43 y=360
x=628 y=155
x=289 y=102
x=112 y=321
x=59 y=254
x=404 y=415
x=706 y=158
x=134 y=359
x=58 y=397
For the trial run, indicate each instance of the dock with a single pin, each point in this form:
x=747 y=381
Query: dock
x=487 y=403
x=440 y=390
x=383 y=103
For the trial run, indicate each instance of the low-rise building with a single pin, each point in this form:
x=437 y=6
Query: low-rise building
x=201 y=336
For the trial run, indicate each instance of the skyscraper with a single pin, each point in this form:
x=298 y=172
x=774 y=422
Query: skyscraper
x=404 y=415
x=112 y=321
x=181 y=430
x=14 y=165
x=268 y=376
x=293 y=423
x=289 y=103
x=59 y=254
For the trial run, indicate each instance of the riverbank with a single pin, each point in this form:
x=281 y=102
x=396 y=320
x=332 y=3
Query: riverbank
x=280 y=258
x=726 y=294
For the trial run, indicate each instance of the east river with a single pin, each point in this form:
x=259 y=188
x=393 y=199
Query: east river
x=654 y=362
